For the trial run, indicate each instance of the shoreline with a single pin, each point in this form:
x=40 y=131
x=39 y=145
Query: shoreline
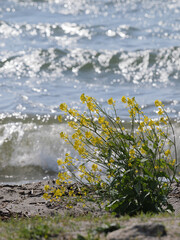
x=20 y=205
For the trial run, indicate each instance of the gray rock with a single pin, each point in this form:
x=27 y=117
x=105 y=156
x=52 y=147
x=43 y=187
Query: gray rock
x=139 y=231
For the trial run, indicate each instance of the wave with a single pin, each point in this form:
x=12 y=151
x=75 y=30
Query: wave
x=31 y=144
x=143 y=66
x=29 y=150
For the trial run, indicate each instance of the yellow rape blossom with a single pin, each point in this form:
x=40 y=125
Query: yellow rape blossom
x=88 y=134
x=46 y=187
x=173 y=162
x=63 y=135
x=94 y=167
x=60 y=118
x=46 y=196
x=151 y=123
x=123 y=99
x=81 y=150
x=91 y=106
x=132 y=112
x=146 y=119
x=132 y=153
x=101 y=120
x=143 y=151
x=167 y=152
x=73 y=124
x=60 y=162
x=160 y=112
x=142 y=124
x=158 y=103
x=73 y=112
x=111 y=101
x=111 y=160
x=63 y=107
x=83 y=98
x=89 y=99
x=130 y=164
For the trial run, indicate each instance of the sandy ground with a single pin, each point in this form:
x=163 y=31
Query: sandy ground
x=26 y=200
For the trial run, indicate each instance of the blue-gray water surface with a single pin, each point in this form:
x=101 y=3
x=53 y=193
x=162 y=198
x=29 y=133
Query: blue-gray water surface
x=51 y=51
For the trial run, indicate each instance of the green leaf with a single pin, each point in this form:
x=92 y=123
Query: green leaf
x=143 y=160
x=148 y=173
x=109 y=154
x=138 y=187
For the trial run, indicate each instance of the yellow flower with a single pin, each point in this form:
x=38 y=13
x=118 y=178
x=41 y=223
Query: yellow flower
x=73 y=112
x=123 y=99
x=142 y=124
x=88 y=134
x=57 y=182
x=111 y=160
x=82 y=168
x=163 y=120
x=118 y=120
x=94 y=167
x=143 y=151
x=132 y=153
x=101 y=120
x=157 y=123
x=132 y=112
x=63 y=135
x=83 y=121
x=167 y=152
x=63 y=107
x=91 y=106
x=75 y=135
x=77 y=143
x=89 y=99
x=173 y=162
x=158 y=103
x=72 y=124
x=151 y=122
x=46 y=196
x=160 y=112
x=60 y=162
x=60 y=118
x=129 y=101
x=58 y=193
x=46 y=187
x=111 y=101
x=83 y=98
x=146 y=119
x=130 y=164
x=81 y=150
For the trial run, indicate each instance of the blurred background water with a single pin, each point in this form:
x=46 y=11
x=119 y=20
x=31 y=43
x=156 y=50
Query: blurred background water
x=51 y=51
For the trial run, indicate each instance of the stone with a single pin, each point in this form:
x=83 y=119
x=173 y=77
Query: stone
x=138 y=231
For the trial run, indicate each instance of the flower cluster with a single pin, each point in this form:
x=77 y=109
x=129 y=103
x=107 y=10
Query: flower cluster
x=131 y=168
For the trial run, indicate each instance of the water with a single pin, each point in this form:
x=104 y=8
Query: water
x=51 y=51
